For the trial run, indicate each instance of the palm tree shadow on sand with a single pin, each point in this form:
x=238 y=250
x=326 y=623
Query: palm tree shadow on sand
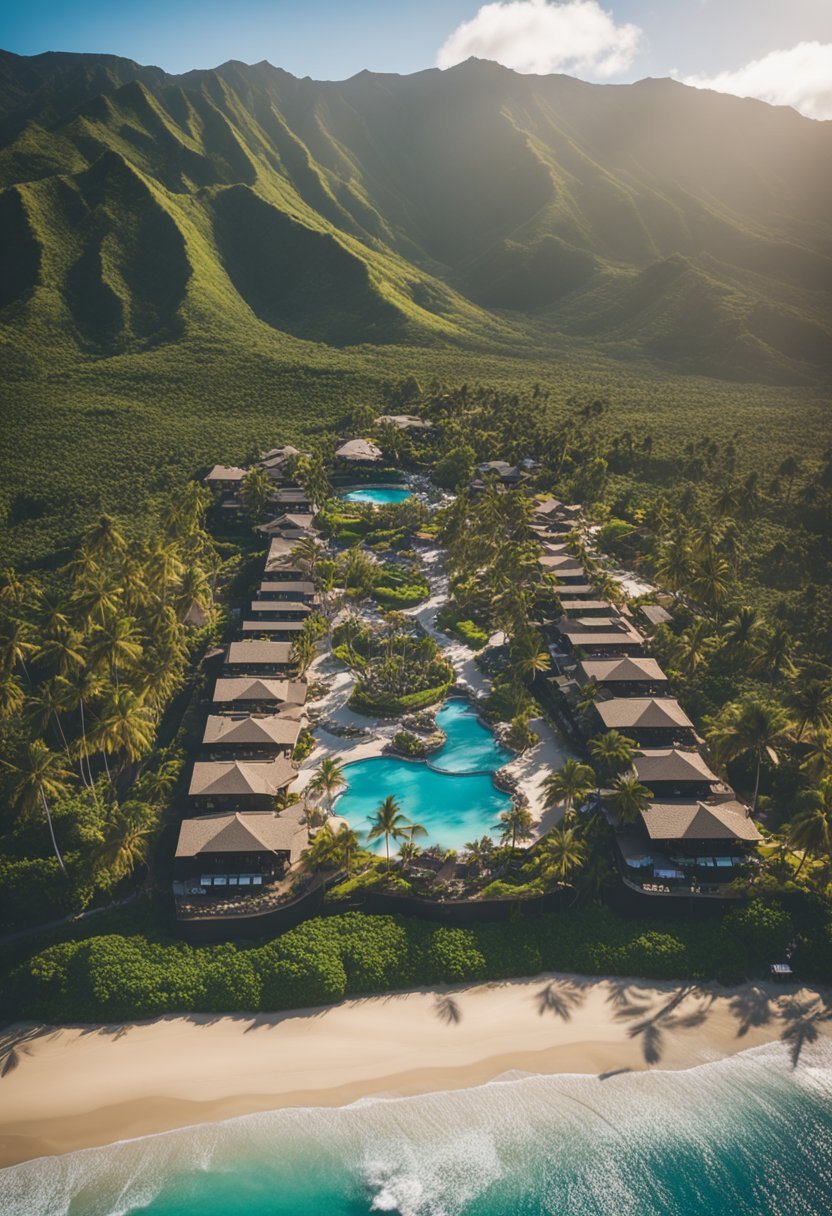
x=447 y=1009
x=651 y=1022
x=803 y=1018
x=561 y=998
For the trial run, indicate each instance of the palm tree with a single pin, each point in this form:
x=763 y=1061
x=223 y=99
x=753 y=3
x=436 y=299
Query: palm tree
x=741 y=632
x=516 y=824
x=693 y=647
x=810 y=702
x=11 y=694
x=817 y=761
x=479 y=853
x=61 y=651
x=103 y=539
x=345 y=843
x=116 y=641
x=710 y=580
x=789 y=469
x=674 y=567
x=320 y=854
x=561 y=852
x=15 y=645
x=125 y=726
x=811 y=830
x=303 y=652
x=328 y=780
x=588 y=696
x=389 y=822
x=774 y=656
x=753 y=728
x=96 y=598
x=39 y=776
x=629 y=798
x=529 y=656
x=78 y=687
x=571 y=786
x=127 y=839
x=307 y=552
x=612 y=753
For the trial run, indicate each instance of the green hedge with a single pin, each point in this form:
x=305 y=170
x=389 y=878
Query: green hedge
x=116 y=978
x=469 y=632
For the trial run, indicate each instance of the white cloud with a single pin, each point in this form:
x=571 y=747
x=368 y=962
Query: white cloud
x=537 y=36
x=800 y=77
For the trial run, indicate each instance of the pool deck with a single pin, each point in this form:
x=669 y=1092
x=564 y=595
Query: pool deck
x=528 y=769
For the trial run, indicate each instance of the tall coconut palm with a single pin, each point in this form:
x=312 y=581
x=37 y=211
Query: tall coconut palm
x=612 y=753
x=516 y=824
x=38 y=777
x=328 y=780
x=693 y=647
x=560 y=854
x=741 y=632
x=303 y=653
x=528 y=655
x=629 y=798
x=674 y=567
x=12 y=588
x=127 y=839
x=16 y=645
x=389 y=822
x=125 y=725
x=710 y=581
x=95 y=598
x=345 y=844
x=307 y=551
x=77 y=689
x=571 y=785
x=774 y=655
x=11 y=694
x=103 y=539
x=749 y=728
x=810 y=703
x=115 y=644
x=61 y=651
x=811 y=830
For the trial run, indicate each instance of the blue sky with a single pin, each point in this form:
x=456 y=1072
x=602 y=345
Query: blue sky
x=699 y=40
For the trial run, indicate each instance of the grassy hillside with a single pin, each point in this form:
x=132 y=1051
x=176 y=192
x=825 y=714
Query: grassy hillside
x=194 y=265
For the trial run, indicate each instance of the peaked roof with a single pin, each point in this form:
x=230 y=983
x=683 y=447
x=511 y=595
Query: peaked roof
x=243 y=832
x=250 y=688
x=225 y=472
x=627 y=670
x=281 y=606
x=699 y=821
x=276 y=729
x=269 y=627
x=223 y=777
x=672 y=764
x=358 y=449
x=646 y=713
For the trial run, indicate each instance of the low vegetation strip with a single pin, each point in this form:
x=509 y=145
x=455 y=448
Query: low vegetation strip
x=115 y=978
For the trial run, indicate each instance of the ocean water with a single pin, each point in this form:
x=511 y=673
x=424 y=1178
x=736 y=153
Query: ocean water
x=746 y=1136
x=453 y=796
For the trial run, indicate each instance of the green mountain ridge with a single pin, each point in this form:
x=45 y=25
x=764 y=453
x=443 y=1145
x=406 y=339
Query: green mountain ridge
x=474 y=208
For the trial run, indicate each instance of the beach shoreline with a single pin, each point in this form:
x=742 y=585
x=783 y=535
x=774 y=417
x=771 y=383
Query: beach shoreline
x=69 y=1088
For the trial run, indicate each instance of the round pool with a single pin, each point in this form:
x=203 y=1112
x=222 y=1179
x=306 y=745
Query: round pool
x=378 y=495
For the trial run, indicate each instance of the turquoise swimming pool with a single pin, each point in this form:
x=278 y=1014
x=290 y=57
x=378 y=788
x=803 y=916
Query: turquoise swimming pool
x=452 y=796
x=378 y=495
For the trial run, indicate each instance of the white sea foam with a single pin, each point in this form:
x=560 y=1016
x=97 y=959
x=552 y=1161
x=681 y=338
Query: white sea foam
x=585 y=1144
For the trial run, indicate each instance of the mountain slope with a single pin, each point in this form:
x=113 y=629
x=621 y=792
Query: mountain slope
x=473 y=207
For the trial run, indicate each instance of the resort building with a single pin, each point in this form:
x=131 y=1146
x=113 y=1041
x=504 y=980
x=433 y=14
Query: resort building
x=259 y=658
x=246 y=784
x=278 y=631
x=673 y=772
x=649 y=721
x=565 y=568
x=246 y=737
x=222 y=859
x=279 y=554
x=294 y=498
x=280 y=610
x=507 y=473
x=655 y=615
x=244 y=694
x=295 y=589
x=357 y=451
x=224 y=479
x=600 y=635
x=624 y=677
x=292 y=526
x=687 y=847
x=573 y=606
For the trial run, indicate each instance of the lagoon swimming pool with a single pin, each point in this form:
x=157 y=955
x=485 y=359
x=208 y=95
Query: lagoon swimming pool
x=378 y=495
x=452 y=795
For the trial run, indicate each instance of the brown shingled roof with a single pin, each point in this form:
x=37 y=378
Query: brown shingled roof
x=644 y=712
x=243 y=832
x=672 y=764
x=699 y=821
x=224 y=777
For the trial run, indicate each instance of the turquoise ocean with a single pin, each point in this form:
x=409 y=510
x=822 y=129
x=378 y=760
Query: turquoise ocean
x=745 y=1136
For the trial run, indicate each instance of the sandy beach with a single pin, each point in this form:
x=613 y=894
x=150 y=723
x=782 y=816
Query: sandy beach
x=75 y=1087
